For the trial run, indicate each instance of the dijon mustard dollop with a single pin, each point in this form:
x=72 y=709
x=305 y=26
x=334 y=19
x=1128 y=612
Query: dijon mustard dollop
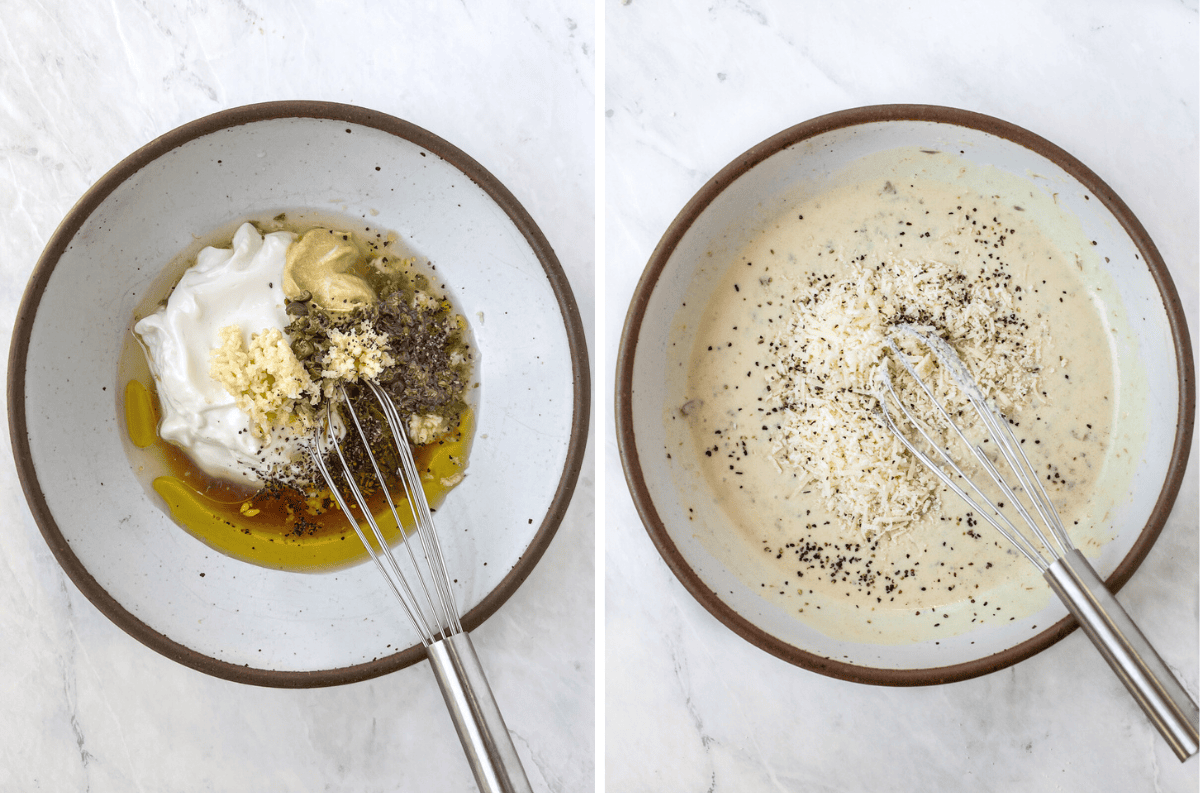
x=321 y=263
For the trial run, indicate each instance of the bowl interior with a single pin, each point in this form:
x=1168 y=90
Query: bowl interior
x=802 y=163
x=228 y=617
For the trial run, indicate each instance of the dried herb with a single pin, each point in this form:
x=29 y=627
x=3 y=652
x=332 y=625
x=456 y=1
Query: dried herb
x=428 y=375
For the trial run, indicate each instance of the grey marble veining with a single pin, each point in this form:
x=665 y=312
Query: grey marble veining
x=84 y=84
x=691 y=706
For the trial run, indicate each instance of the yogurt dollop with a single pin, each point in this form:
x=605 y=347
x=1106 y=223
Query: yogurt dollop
x=242 y=286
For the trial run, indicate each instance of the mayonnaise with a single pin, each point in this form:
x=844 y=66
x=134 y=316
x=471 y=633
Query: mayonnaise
x=242 y=286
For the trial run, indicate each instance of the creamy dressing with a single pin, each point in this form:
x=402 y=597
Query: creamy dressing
x=949 y=572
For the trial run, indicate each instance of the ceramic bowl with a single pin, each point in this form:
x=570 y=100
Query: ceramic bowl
x=166 y=588
x=1150 y=348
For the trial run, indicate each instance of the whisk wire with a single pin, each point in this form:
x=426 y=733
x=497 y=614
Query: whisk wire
x=318 y=459
x=419 y=506
x=997 y=519
x=477 y=719
x=1153 y=685
x=1031 y=483
x=1002 y=435
x=1005 y=442
x=434 y=617
x=427 y=626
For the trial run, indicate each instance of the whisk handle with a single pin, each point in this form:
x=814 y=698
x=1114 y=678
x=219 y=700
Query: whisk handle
x=485 y=739
x=1127 y=651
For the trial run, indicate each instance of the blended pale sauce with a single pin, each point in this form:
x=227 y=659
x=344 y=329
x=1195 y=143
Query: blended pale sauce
x=949 y=572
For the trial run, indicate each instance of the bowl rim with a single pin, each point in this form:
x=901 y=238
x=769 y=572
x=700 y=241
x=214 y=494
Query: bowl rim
x=130 y=165
x=626 y=356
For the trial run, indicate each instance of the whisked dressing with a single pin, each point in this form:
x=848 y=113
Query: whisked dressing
x=944 y=574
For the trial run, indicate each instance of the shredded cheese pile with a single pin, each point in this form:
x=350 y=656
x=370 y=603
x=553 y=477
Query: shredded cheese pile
x=824 y=371
x=358 y=353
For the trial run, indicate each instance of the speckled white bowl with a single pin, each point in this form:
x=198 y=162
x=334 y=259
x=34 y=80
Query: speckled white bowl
x=159 y=583
x=1152 y=354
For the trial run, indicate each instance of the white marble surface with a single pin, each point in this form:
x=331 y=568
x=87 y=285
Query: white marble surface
x=83 y=84
x=690 y=706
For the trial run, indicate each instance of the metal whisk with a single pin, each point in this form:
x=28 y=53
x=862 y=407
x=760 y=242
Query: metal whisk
x=1044 y=542
x=421 y=584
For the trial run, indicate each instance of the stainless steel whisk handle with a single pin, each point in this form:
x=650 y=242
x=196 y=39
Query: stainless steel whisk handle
x=1127 y=651
x=485 y=739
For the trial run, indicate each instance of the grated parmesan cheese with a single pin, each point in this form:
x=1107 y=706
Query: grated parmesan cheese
x=825 y=366
x=360 y=353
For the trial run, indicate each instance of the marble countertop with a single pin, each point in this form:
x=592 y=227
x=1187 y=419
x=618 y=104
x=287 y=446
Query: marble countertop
x=687 y=705
x=87 y=707
x=688 y=87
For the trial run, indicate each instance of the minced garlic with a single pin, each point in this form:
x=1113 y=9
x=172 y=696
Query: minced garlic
x=424 y=429
x=266 y=379
x=425 y=301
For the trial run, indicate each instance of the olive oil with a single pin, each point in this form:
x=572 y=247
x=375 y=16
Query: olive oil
x=260 y=527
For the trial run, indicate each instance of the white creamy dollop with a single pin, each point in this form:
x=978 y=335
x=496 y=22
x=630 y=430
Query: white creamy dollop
x=243 y=287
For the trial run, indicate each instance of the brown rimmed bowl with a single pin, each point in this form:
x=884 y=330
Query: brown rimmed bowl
x=1150 y=346
x=115 y=539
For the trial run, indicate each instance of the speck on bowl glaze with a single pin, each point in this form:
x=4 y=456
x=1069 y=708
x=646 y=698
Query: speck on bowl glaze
x=1151 y=353
x=152 y=578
